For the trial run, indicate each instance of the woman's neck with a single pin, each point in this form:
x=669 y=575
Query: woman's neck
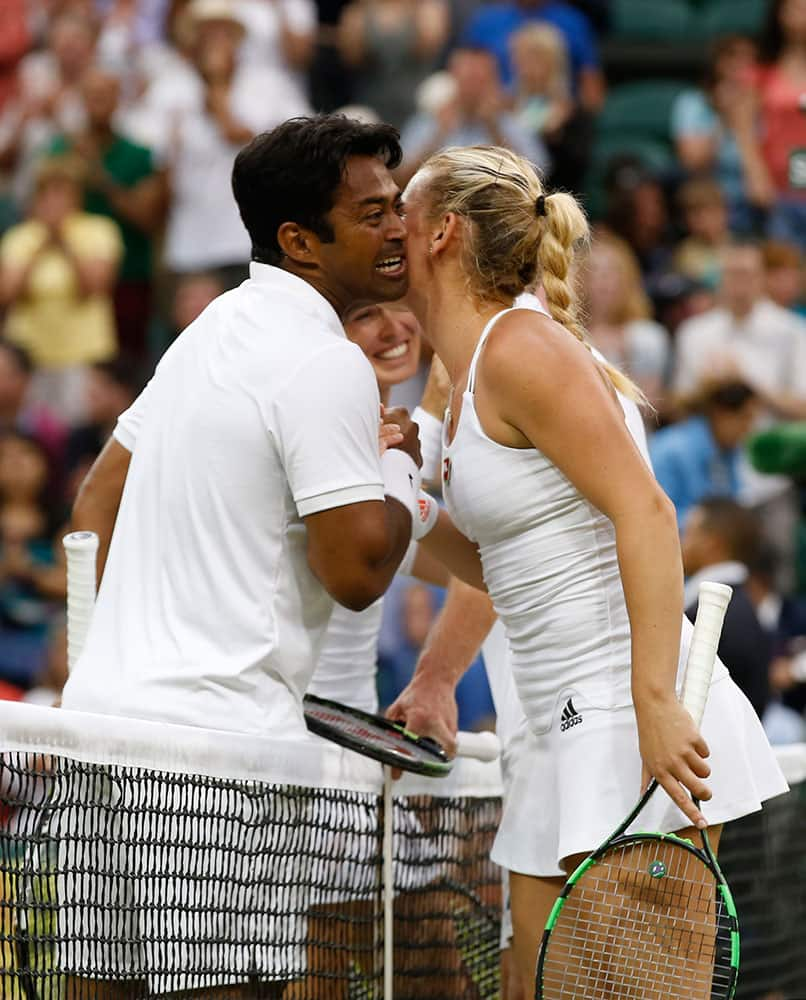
x=453 y=322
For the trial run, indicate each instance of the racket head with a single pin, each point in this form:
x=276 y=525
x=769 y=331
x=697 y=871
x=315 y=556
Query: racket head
x=648 y=915
x=375 y=737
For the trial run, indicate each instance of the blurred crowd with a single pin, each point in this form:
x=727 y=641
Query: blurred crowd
x=119 y=122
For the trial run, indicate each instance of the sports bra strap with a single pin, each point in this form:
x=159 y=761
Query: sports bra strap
x=471 y=376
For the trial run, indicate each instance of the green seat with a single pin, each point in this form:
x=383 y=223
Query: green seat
x=658 y=20
x=643 y=108
x=730 y=17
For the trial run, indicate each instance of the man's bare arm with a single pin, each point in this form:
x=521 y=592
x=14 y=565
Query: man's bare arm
x=98 y=500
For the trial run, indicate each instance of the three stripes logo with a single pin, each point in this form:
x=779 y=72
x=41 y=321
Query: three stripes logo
x=570 y=717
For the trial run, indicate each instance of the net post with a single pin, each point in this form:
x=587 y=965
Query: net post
x=388 y=885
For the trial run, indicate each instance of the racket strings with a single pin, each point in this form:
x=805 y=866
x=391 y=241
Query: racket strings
x=646 y=922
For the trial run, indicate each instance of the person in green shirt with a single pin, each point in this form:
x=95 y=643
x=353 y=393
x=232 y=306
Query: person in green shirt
x=124 y=184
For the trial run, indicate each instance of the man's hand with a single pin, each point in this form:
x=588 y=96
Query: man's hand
x=410 y=440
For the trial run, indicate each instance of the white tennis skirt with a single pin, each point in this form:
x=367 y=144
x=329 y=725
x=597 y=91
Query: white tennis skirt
x=566 y=790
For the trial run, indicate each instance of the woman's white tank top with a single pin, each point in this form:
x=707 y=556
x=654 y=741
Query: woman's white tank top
x=550 y=565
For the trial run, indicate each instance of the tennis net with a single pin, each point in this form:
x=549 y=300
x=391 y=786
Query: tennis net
x=146 y=860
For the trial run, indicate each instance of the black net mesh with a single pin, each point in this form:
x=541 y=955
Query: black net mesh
x=763 y=857
x=129 y=882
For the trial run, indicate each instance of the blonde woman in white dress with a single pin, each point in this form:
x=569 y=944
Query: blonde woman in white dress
x=555 y=512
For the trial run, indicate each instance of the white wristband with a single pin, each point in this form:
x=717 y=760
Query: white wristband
x=430 y=444
x=401 y=478
x=426 y=517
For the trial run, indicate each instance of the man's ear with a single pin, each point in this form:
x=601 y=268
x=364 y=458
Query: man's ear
x=445 y=234
x=298 y=244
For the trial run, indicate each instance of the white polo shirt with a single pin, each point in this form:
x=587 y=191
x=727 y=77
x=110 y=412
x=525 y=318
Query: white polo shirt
x=768 y=347
x=261 y=413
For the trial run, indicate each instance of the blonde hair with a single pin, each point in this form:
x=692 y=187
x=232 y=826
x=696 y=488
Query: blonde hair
x=548 y=41
x=635 y=303
x=517 y=234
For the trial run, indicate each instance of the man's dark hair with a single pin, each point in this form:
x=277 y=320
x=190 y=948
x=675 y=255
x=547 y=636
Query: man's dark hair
x=292 y=173
x=738 y=527
x=123 y=371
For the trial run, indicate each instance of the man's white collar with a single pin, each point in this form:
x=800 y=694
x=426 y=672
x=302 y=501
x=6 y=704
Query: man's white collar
x=731 y=573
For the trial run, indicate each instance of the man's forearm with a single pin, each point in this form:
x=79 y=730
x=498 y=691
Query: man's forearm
x=98 y=500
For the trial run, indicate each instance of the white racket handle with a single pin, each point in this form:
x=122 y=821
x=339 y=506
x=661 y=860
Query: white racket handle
x=480 y=746
x=81 y=551
x=713 y=600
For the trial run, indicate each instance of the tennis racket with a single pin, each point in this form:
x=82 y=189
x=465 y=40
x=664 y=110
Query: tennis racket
x=649 y=915
x=81 y=551
x=389 y=742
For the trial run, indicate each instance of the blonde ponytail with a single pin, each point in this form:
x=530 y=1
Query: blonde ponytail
x=565 y=228
x=518 y=235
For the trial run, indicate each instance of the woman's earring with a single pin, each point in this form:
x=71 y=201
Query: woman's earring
x=430 y=249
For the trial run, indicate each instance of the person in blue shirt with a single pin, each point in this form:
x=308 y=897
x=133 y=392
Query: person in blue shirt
x=494 y=23
x=702 y=455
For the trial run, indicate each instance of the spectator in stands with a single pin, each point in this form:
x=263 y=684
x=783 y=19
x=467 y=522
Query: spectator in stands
x=705 y=216
x=30 y=579
x=472 y=113
x=701 y=455
x=18 y=412
x=122 y=183
x=112 y=387
x=494 y=24
x=783 y=275
x=57 y=272
x=194 y=293
x=391 y=46
x=719 y=540
x=746 y=335
x=636 y=210
x=281 y=35
x=781 y=88
x=201 y=119
x=784 y=618
x=544 y=103
x=714 y=133
x=620 y=315
x=15 y=40
x=48 y=99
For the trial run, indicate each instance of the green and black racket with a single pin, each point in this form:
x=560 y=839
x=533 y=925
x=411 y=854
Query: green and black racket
x=649 y=916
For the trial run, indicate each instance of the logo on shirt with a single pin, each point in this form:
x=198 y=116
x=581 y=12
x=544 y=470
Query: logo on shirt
x=447 y=468
x=570 y=717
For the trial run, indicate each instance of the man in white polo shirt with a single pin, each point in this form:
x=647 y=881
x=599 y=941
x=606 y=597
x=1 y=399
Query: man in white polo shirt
x=245 y=486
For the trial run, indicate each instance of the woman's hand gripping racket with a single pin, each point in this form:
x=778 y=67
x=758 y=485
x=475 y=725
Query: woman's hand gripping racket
x=389 y=742
x=649 y=915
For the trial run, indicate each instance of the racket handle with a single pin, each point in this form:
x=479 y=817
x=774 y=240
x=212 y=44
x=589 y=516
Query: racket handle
x=713 y=600
x=481 y=746
x=81 y=550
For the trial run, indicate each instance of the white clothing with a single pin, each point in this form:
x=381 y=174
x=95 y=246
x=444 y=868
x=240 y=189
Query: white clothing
x=208 y=613
x=263 y=45
x=348 y=660
x=204 y=227
x=768 y=347
x=550 y=566
x=644 y=352
x=568 y=790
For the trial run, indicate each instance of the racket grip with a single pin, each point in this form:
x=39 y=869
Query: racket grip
x=481 y=746
x=81 y=551
x=713 y=600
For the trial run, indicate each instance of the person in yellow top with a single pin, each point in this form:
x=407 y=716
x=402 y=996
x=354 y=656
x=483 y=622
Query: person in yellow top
x=57 y=272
